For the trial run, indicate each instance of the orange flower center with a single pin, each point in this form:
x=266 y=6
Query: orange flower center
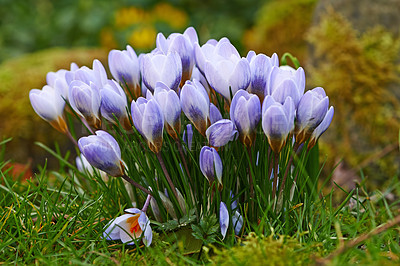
x=134 y=224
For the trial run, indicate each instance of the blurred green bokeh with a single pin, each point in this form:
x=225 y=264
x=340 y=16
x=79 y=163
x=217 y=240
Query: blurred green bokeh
x=31 y=25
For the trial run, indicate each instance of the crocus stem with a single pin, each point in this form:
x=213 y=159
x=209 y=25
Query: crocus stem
x=147 y=203
x=295 y=148
x=184 y=161
x=270 y=164
x=276 y=160
x=250 y=175
x=161 y=161
x=69 y=135
x=87 y=125
x=128 y=179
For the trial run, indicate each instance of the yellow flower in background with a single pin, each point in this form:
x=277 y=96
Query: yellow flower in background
x=128 y=16
x=139 y=26
x=176 y=18
x=107 y=39
x=143 y=37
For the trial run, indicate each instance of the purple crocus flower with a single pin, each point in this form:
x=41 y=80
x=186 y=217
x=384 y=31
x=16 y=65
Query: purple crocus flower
x=311 y=111
x=221 y=132
x=85 y=100
x=195 y=104
x=171 y=108
x=57 y=81
x=211 y=164
x=157 y=67
x=124 y=67
x=114 y=103
x=49 y=105
x=260 y=68
x=102 y=152
x=277 y=121
x=96 y=75
x=223 y=219
x=149 y=121
x=215 y=114
x=321 y=128
x=245 y=112
x=226 y=71
x=286 y=82
x=188 y=136
x=206 y=52
x=183 y=44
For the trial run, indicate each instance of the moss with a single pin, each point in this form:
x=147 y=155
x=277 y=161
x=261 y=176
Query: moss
x=358 y=72
x=17 y=77
x=281 y=27
x=254 y=250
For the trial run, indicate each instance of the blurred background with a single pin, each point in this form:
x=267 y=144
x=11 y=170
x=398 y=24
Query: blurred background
x=349 y=47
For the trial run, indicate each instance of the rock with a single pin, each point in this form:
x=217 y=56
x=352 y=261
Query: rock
x=18 y=119
x=365 y=14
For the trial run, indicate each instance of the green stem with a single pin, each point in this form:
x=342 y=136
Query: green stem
x=161 y=161
x=295 y=148
x=276 y=160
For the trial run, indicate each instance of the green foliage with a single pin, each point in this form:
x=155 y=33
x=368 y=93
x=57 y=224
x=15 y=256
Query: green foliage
x=360 y=74
x=59 y=218
x=207 y=229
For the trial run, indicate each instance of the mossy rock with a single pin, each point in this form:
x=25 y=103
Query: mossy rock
x=358 y=70
x=19 y=121
x=254 y=250
x=280 y=27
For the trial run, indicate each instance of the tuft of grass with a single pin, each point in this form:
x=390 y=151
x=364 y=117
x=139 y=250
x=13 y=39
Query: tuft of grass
x=57 y=217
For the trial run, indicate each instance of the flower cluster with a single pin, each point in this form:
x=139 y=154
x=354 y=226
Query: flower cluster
x=181 y=84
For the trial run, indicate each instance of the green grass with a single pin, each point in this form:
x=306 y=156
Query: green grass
x=58 y=218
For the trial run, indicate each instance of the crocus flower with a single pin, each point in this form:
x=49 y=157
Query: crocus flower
x=206 y=52
x=171 y=108
x=85 y=100
x=124 y=67
x=183 y=44
x=130 y=226
x=223 y=219
x=260 y=68
x=102 y=151
x=157 y=67
x=57 y=80
x=285 y=83
x=114 y=103
x=188 y=136
x=221 y=132
x=200 y=77
x=149 y=121
x=211 y=164
x=85 y=167
x=277 y=121
x=237 y=221
x=245 y=112
x=321 y=128
x=196 y=105
x=96 y=75
x=215 y=114
x=310 y=113
x=226 y=71
x=49 y=105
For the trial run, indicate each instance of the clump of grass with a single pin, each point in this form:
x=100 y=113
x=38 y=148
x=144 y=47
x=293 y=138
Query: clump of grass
x=58 y=217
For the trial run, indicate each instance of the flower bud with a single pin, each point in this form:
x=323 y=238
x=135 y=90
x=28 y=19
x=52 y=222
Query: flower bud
x=102 y=151
x=245 y=112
